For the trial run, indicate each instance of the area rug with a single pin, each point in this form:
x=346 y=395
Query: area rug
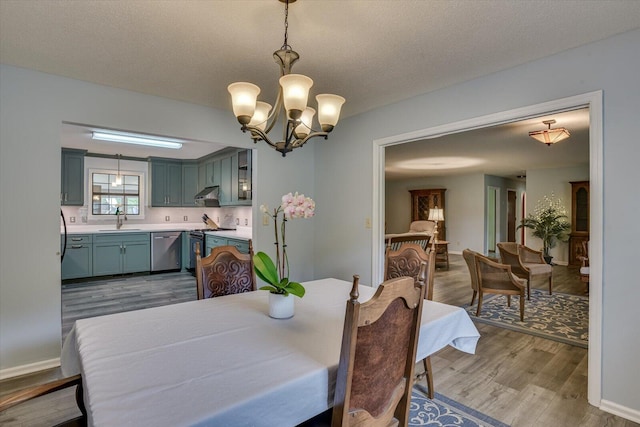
x=444 y=412
x=558 y=317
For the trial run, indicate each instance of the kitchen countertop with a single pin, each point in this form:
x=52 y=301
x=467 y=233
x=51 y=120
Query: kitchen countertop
x=240 y=233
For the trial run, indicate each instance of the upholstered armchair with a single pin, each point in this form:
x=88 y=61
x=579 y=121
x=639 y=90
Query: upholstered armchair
x=422 y=227
x=526 y=263
x=488 y=276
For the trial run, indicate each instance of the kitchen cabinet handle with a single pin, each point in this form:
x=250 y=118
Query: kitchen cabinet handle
x=125 y=249
x=76 y=239
x=66 y=197
x=76 y=246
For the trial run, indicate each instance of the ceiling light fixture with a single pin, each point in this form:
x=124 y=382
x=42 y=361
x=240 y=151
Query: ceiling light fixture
x=131 y=138
x=259 y=118
x=550 y=136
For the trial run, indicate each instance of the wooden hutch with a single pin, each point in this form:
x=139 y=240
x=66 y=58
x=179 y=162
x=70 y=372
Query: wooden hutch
x=422 y=201
x=579 y=219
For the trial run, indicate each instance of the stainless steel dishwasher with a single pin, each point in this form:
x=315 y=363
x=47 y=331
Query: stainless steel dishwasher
x=166 y=250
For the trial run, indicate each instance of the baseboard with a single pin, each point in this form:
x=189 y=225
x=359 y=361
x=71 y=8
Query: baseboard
x=29 y=369
x=622 y=411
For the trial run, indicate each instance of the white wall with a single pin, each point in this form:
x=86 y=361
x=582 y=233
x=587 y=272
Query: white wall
x=33 y=106
x=464 y=208
x=345 y=167
x=545 y=182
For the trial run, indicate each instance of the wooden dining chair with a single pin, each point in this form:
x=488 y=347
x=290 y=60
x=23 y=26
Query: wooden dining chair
x=27 y=394
x=412 y=261
x=488 y=276
x=377 y=359
x=224 y=271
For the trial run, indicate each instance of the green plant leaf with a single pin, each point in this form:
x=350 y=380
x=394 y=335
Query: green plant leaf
x=296 y=289
x=265 y=269
x=269 y=288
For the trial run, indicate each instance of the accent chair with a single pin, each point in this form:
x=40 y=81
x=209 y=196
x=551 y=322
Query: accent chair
x=526 y=263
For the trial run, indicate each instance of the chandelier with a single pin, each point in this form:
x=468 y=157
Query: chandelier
x=550 y=136
x=259 y=118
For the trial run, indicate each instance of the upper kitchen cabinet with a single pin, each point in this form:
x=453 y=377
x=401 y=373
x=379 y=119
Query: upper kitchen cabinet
x=230 y=170
x=166 y=182
x=189 y=183
x=209 y=173
x=226 y=181
x=241 y=166
x=72 y=177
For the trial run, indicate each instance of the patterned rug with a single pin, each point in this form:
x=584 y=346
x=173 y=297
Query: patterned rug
x=444 y=412
x=558 y=317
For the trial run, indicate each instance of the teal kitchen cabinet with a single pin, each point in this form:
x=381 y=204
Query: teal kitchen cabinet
x=166 y=183
x=241 y=178
x=241 y=245
x=77 y=262
x=189 y=183
x=122 y=252
x=208 y=172
x=72 y=177
x=230 y=170
x=212 y=242
x=225 y=194
x=215 y=241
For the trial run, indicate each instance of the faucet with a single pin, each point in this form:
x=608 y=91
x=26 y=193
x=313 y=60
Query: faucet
x=119 y=219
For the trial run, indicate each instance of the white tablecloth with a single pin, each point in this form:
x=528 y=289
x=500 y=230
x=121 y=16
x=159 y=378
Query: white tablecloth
x=225 y=362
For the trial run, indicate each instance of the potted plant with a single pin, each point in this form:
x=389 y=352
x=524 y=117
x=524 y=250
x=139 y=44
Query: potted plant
x=276 y=275
x=548 y=223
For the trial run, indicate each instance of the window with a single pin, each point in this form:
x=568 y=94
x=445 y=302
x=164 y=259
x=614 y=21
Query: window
x=106 y=196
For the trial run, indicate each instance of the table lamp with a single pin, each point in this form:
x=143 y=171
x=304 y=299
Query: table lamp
x=436 y=215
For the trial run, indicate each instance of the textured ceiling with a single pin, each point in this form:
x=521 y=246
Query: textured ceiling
x=372 y=52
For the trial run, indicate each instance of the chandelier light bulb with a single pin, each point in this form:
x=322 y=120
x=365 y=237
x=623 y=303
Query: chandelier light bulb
x=306 y=121
x=295 y=93
x=243 y=99
x=329 y=107
x=260 y=116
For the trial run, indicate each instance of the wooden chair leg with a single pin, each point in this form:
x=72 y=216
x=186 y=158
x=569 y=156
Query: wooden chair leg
x=428 y=376
x=529 y=288
x=473 y=298
x=479 y=304
x=550 y=284
x=522 y=307
x=508 y=300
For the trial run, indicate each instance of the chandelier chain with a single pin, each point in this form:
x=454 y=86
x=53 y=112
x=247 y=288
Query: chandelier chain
x=286 y=46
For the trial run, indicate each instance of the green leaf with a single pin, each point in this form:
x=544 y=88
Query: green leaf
x=296 y=289
x=269 y=288
x=265 y=269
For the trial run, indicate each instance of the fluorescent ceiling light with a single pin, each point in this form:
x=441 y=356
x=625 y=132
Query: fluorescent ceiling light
x=129 y=138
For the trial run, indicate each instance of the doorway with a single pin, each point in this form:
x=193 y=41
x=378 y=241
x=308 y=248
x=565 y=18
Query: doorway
x=492 y=216
x=512 y=200
x=592 y=101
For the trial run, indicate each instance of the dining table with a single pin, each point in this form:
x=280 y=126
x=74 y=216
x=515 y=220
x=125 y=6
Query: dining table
x=224 y=362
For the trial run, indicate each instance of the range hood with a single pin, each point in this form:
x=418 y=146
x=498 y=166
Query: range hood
x=208 y=197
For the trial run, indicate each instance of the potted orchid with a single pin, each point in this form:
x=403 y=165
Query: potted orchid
x=276 y=275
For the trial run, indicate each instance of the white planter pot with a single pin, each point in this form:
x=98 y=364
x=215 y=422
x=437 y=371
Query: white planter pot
x=280 y=306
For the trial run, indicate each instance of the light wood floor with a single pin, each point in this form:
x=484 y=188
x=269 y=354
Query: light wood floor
x=518 y=379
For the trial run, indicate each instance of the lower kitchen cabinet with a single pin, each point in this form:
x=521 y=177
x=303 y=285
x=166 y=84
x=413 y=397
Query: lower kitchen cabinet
x=117 y=253
x=213 y=241
x=77 y=261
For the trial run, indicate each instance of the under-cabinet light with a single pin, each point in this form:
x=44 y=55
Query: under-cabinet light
x=137 y=139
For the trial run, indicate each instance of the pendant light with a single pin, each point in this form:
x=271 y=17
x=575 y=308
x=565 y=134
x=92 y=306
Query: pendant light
x=118 y=180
